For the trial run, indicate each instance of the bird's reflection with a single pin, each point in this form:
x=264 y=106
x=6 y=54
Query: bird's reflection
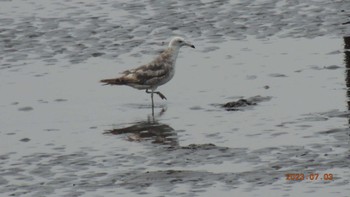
x=149 y=130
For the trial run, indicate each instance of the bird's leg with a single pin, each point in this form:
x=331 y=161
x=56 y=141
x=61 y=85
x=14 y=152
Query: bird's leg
x=152 y=100
x=161 y=95
x=148 y=92
x=152 y=104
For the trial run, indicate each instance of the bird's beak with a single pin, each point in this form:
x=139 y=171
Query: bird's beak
x=190 y=45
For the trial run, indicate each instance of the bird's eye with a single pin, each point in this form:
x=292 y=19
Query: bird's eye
x=180 y=41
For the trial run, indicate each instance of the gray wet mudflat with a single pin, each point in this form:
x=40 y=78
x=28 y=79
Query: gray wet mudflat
x=63 y=134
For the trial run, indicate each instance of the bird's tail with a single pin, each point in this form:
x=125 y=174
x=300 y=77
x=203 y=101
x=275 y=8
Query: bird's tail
x=115 y=81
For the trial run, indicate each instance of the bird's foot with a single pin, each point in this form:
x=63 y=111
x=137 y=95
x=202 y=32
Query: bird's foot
x=161 y=95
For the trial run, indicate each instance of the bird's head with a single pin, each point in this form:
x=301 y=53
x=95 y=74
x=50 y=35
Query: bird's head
x=179 y=42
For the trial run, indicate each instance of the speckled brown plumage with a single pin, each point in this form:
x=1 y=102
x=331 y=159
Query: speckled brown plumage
x=156 y=73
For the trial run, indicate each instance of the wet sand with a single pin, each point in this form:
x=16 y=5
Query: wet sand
x=63 y=134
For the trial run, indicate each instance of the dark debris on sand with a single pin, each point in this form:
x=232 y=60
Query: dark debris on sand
x=242 y=103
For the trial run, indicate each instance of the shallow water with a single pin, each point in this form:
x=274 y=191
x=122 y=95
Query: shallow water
x=63 y=134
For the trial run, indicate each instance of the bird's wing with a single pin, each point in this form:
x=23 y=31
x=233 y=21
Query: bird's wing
x=155 y=70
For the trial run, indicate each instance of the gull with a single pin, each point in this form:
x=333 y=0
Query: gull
x=156 y=73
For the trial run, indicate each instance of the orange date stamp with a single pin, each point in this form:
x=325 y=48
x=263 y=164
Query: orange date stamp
x=311 y=177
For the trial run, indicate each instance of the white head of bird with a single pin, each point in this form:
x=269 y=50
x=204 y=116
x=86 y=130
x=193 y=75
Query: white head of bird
x=178 y=42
